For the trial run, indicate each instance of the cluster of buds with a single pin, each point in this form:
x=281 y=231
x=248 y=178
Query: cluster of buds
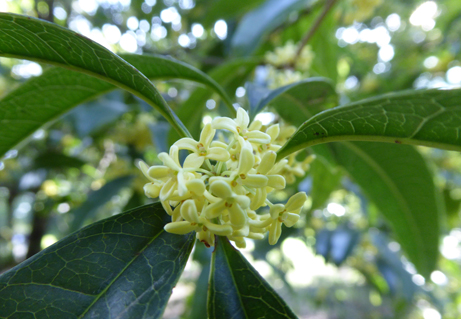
x=284 y=67
x=222 y=184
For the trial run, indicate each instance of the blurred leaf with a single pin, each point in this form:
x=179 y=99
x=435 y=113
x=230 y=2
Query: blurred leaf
x=397 y=179
x=237 y=290
x=325 y=179
x=424 y=117
x=92 y=116
x=96 y=200
x=125 y=266
x=299 y=101
x=230 y=75
x=56 y=160
x=391 y=267
x=336 y=245
x=28 y=38
x=256 y=25
x=255 y=94
x=40 y=99
x=159 y=133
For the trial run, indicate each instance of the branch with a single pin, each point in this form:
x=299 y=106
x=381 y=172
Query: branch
x=328 y=5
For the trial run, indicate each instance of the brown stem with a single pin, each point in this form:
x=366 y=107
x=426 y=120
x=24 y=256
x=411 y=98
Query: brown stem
x=328 y=5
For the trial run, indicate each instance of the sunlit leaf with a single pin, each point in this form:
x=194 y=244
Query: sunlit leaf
x=57 y=90
x=426 y=117
x=28 y=38
x=122 y=267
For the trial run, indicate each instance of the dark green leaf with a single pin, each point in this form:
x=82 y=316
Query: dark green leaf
x=93 y=116
x=33 y=39
x=122 y=267
x=397 y=179
x=96 y=200
x=325 y=179
x=256 y=25
x=56 y=160
x=299 y=101
x=58 y=90
x=426 y=117
x=237 y=290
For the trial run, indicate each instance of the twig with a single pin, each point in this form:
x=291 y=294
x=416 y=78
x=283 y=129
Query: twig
x=328 y=5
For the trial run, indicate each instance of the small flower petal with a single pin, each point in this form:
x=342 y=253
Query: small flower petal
x=242 y=119
x=187 y=143
x=159 y=171
x=189 y=211
x=221 y=189
x=207 y=135
x=179 y=228
x=193 y=161
x=276 y=181
x=218 y=154
x=296 y=201
x=224 y=123
x=274 y=232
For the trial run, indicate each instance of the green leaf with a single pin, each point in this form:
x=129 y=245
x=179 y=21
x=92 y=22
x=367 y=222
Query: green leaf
x=299 y=101
x=96 y=200
x=230 y=75
x=397 y=179
x=426 y=117
x=57 y=90
x=125 y=267
x=55 y=160
x=33 y=39
x=325 y=179
x=256 y=25
x=236 y=290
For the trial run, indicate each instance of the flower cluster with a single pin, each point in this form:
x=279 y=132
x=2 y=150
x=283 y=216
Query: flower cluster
x=222 y=183
x=283 y=68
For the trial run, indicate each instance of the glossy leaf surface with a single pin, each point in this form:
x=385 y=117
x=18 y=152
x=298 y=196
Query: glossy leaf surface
x=397 y=179
x=122 y=267
x=28 y=38
x=57 y=90
x=426 y=117
x=236 y=290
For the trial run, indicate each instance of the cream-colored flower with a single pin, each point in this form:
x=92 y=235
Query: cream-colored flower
x=220 y=197
x=239 y=127
x=201 y=149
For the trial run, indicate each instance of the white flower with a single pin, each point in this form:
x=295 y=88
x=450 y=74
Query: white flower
x=239 y=127
x=221 y=184
x=201 y=149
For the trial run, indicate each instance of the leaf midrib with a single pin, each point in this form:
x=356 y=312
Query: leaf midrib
x=98 y=296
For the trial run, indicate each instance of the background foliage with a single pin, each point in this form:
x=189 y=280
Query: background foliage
x=358 y=252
